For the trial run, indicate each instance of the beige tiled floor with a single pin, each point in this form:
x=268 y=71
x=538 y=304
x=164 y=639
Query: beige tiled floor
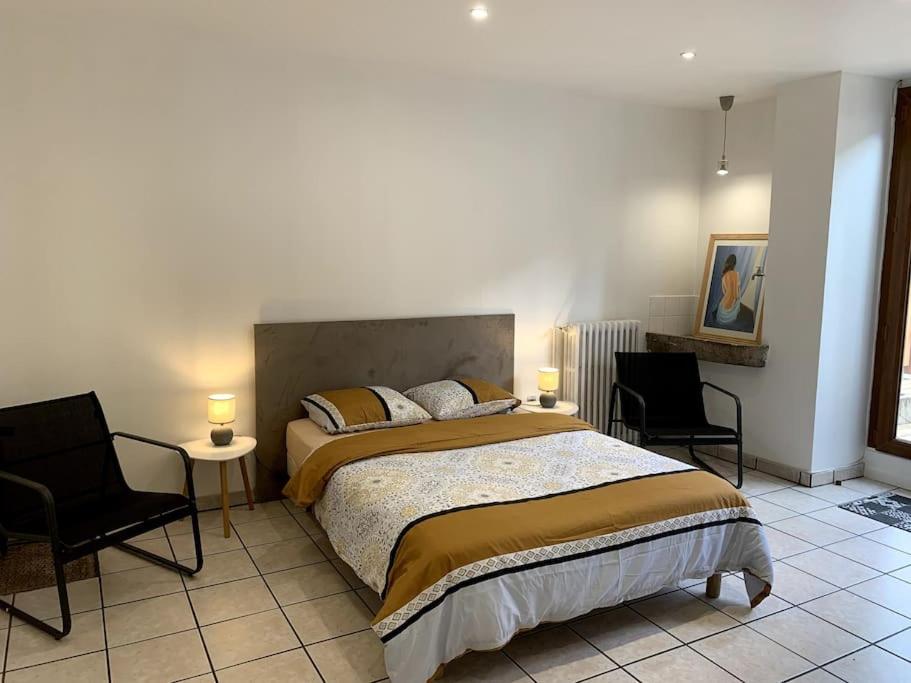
x=273 y=604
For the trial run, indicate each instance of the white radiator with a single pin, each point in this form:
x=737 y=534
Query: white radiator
x=588 y=367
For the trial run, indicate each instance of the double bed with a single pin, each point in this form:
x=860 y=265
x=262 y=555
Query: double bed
x=474 y=530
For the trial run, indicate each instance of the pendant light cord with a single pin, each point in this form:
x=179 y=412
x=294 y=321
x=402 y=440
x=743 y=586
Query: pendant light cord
x=724 y=139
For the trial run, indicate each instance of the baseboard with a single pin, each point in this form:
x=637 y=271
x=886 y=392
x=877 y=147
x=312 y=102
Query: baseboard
x=791 y=473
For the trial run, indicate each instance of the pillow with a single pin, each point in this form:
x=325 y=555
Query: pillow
x=355 y=410
x=454 y=399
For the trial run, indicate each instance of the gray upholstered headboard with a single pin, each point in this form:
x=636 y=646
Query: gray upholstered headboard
x=297 y=359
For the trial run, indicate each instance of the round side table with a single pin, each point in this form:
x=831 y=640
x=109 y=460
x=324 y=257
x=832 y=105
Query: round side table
x=562 y=408
x=203 y=450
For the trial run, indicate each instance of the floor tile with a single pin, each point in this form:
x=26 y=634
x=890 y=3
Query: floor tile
x=615 y=676
x=241 y=514
x=849 y=521
x=269 y=531
x=329 y=617
x=208 y=519
x=231 y=600
x=147 y=619
x=370 y=598
x=758 y=484
x=308 y=522
x=808 y=635
x=812 y=530
x=782 y=545
x=896 y=538
x=116 y=560
x=886 y=591
x=899 y=644
x=835 y=493
x=306 y=583
x=138 y=584
x=868 y=487
x=751 y=656
x=833 y=568
x=680 y=665
x=347 y=573
x=90 y=668
x=684 y=616
x=796 y=500
x=323 y=543
x=275 y=557
x=29 y=646
x=44 y=603
x=734 y=601
x=221 y=568
x=357 y=658
x=857 y=615
x=872 y=554
x=904 y=574
x=872 y=665
x=242 y=640
x=796 y=586
x=557 y=655
x=288 y=667
x=817 y=676
x=769 y=512
x=624 y=636
x=170 y=658
x=213 y=541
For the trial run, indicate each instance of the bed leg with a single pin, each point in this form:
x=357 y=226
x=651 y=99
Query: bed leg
x=713 y=586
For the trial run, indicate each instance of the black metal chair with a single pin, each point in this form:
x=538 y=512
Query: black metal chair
x=661 y=399
x=61 y=483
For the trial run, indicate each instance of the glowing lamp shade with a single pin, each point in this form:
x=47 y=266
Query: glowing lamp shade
x=548 y=379
x=222 y=408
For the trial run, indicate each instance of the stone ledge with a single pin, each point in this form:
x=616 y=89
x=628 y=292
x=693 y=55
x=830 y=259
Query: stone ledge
x=708 y=350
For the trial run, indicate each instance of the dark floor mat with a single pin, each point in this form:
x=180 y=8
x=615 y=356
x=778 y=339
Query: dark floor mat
x=888 y=508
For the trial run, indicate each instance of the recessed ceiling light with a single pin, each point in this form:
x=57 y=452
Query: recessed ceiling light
x=688 y=55
x=479 y=13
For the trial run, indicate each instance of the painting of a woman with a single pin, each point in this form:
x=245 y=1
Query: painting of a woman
x=732 y=291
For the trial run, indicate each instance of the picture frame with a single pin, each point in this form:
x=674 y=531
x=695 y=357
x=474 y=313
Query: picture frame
x=732 y=299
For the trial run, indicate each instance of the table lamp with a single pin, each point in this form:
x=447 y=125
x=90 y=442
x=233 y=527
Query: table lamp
x=548 y=381
x=221 y=412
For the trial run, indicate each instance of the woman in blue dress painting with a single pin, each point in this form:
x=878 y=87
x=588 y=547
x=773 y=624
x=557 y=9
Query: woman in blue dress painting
x=731 y=313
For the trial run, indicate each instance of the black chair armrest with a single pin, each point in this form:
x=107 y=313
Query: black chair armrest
x=47 y=498
x=188 y=467
x=736 y=402
x=640 y=400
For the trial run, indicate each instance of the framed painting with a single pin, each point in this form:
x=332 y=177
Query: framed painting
x=733 y=289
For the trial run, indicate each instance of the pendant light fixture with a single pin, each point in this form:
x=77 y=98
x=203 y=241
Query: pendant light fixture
x=727 y=101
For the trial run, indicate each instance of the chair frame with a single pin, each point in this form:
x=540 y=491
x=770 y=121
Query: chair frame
x=646 y=439
x=63 y=553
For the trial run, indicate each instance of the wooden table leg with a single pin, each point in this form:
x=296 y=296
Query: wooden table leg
x=713 y=586
x=243 y=472
x=226 y=515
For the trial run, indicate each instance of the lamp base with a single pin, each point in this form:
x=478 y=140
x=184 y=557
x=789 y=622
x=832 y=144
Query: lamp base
x=548 y=399
x=222 y=436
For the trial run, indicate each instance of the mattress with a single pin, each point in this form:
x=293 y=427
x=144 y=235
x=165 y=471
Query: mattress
x=474 y=530
x=302 y=438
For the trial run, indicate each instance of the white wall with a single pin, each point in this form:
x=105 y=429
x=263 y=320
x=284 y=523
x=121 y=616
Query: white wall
x=813 y=173
x=853 y=268
x=737 y=203
x=163 y=189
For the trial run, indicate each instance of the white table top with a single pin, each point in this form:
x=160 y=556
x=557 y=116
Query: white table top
x=204 y=449
x=562 y=408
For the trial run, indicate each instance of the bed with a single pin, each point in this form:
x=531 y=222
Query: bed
x=474 y=530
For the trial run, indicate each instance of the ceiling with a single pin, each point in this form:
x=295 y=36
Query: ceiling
x=626 y=48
